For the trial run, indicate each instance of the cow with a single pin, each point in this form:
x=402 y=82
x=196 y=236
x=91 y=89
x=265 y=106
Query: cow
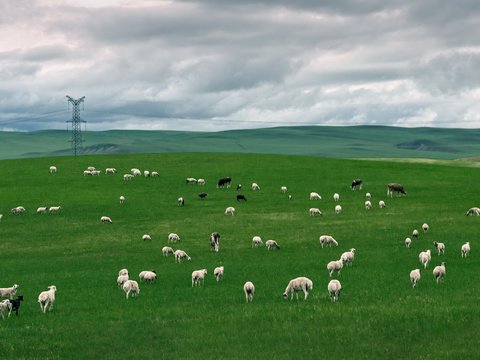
x=395 y=187
x=215 y=241
x=202 y=195
x=355 y=183
x=223 y=181
x=241 y=197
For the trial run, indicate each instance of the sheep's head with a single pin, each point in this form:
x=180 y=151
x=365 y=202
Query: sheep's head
x=285 y=295
x=15 y=287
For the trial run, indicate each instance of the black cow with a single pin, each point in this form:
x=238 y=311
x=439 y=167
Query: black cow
x=223 y=181
x=241 y=197
x=202 y=195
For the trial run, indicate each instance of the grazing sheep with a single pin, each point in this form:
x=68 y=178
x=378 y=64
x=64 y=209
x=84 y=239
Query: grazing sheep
x=381 y=203
x=54 y=209
x=136 y=172
x=146 y=173
x=123 y=272
x=201 y=182
x=315 y=211
x=110 y=171
x=335 y=266
x=96 y=172
x=271 y=244
x=315 y=196
x=334 y=288
x=105 y=219
x=241 y=197
x=155 y=174
x=18 y=210
x=127 y=177
x=230 y=210
x=146 y=237
x=474 y=210
x=415 y=234
x=327 y=240
x=289 y=197
x=439 y=272
x=465 y=249
x=150 y=276
x=218 y=272
x=197 y=276
x=425 y=228
x=425 y=257
x=142 y=274
x=167 y=250
x=348 y=257
x=131 y=286
x=53 y=169
x=440 y=247
x=283 y=189
x=1 y=216
x=368 y=205
x=181 y=201
x=191 y=181
x=255 y=187
x=395 y=187
x=3 y=306
x=173 y=238
x=8 y=292
x=215 y=241
x=368 y=196
x=180 y=255
x=249 y=290
x=338 y=209
x=46 y=298
x=15 y=305
x=91 y=168
x=408 y=241
x=122 y=199
x=299 y=284
x=336 y=197
x=87 y=173
x=41 y=210
x=202 y=195
x=121 y=280
x=257 y=241
x=414 y=277
x=355 y=183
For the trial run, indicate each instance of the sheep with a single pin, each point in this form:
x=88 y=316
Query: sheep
x=180 y=255
x=18 y=210
x=110 y=171
x=440 y=247
x=214 y=241
x=87 y=173
x=155 y=174
x=202 y=195
x=439 y=272
x=415 y=234
x=283 y=189
x=395 y=187
x=474 y=210
x=46 y=298
x=271 y=244
x=465 y=249
x=338 y=209
x=191 y=181
x=257 y=241
x=142 y=274
x=15 y=304
x=1 y=216
x=368 y=196
x=54 y=209
x=348 y=257
x=315 y=196
x=91 y=168
x=105 y=219
x=327 y=240
x=335 y=266
x=336 y=197
x=122 y=199
x=167 y=250
x=173 y=237
x=3 y=306
x=123 y=272
x=425 y=257
x=381 y=203
x=368 y=205
x=53 y=169
x=218 y=272
x=8 y=292
x=150 y=276
x=96 y=172
x=136 y=172
x=197 y=276
x=315 y=211
x=255 y=187
x=249 y=290
x=146 y=237
x=355 y=183
x=230 y=210
x=127 y=177
x=294 y=286
x=42 y=210
x=181 y=201
x=425 y=227
x=201 y=182
x=146 y=173
x=121 y=280
x=414 y=277
x=334 y=288
x=289 y=197
x=131 y=286
x=408 y=241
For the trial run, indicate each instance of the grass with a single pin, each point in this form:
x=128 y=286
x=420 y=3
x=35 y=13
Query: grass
x=378 y=315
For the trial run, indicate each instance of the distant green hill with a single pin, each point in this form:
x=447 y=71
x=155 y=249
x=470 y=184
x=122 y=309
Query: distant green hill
x=324 y=141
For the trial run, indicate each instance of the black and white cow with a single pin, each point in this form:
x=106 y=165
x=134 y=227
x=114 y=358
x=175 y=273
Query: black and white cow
x=223 y=181
x=395 y=187
x=355 y=183
x=215 y=241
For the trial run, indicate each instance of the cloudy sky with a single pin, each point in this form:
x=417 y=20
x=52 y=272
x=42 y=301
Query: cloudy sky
x=211 y=65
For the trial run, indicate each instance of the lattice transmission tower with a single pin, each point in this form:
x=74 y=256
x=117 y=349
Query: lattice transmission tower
x=76 y=121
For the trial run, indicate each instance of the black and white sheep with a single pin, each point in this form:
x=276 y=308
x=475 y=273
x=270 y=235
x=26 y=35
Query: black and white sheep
x=197 y=276
x=414 y=277
x=440 y=247
x=327 y=240
x=218 y=272
x=215 y=241
x=180 y=255
x=439 y=272
x=191 y=181
x=272 y=244
x=249 y=290
x=47 y=298
x=334 y=287
x=465 y=249
x=181 y=201
x=131 y=286
x=393 y=187
x=8 y=292
x=299 y=284
x=473 y=210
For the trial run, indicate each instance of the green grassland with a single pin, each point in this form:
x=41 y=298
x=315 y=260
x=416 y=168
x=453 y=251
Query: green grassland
x=378 y=314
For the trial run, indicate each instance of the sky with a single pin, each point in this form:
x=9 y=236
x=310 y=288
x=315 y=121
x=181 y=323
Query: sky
x=212 y=65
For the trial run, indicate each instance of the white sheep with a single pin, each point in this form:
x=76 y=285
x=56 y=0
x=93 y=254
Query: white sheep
x=315 y=196
x=272 y=244
x=408 y=241
x=42 y=210
x=414 y=277
x=87 y=173
x=257 y=241
x=122 y=199
x=315 y=211
x=136 y=172
x=368 y=205
x=415 y=234
x=123 y=272
x=425 y=257
x=338 y=209
x=54 y=209
x=18 y=210
x=181 y=201
x=218 y=272
x=167 y=250
x=201 y=182
x=8 y=292
x=299 y=284
x=105 y=219
x=5 y=304
x=381 y=203
x=327 y=240
x=283 y=189
x=173 y=237
x=439 y=272
x=150 y=276
x=53 y=169
x=230 y=210
x=96 y=172
x=348 y=257
x=197 y=276
x=110 y=171
x=368 y=196
x=146 y=237
x=131 y=286
x=46 y=298
x=336 y=197
x=1 y=216
x=146 y=173
x=465 y=249
x=127 y=177
x=91 y=168
x=334 y=288
x=249 y=290
x=191 y=180
x=425 y=227
x=180 y=255
x=155 y=174
x=440 y=247
x=335 y=266
x=474 y=210
x=255 y=186
x=121 y=280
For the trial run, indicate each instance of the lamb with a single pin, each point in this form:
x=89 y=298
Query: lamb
x=348 y=257
x=474 y=210
x=146 y=237
x=181 y=201
x=440 y=247
x=180 y=255
x=218 y=272
x=414 y=277
x=105 y=219
x=201 y=182
x=327 y=240
x=42 y=210
x=294 y=286
x=415 y=234
x=338 y=209
x=15 y=305
x=355 y=183
x=8 y=292
x=155 y=174
x=230 y=210
x=46 y=298
x=334 y=288
x=191 y=181
x=127 y=177
x=54 y=209
x=121 y=280
x=272 y=244
x=408 y=241
x=255 y=187
x=249 y=290
x=315 y=196
x=336 y=197
x=173 y=237
x=425 y=228
x=53 y=169
x=197 y=276
x=425 y=257
x=110 y=171
x=439 y=272
x=465 y=249
x=215 y=241
x=122 y=199
x=395 y=187
x=131 y=286
x=283 y=189
x=368 y=196
x=3 y=306
x=368 y=205
x=335 y=266
x=315 y=211
x=381 y=203
x=167 y=250
x=257 y=241
x=150 y=276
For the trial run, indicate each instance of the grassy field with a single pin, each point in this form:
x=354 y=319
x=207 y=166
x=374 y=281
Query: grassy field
x=378 y=315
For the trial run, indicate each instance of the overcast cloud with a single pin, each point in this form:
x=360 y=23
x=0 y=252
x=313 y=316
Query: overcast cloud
x=220 y=64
